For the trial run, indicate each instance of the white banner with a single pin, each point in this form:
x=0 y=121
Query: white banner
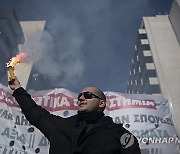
x=147 y=117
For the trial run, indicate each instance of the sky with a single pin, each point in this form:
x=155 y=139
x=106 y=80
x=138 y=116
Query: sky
x=86 y=42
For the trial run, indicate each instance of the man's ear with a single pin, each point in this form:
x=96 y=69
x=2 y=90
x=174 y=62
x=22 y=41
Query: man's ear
x=102 y=104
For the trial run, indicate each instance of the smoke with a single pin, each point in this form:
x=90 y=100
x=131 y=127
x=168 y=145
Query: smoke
x=40 y=49
x=57 y=54
x=69 y=42
x=97 y=34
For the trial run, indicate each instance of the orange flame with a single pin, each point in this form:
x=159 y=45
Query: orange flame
x=15 y=60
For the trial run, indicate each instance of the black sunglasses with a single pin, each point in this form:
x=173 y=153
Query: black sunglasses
x=88 y=95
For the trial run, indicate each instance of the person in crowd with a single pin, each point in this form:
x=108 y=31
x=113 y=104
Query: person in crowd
x=87 y=132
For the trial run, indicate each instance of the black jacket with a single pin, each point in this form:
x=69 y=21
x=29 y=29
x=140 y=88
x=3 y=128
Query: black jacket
x=71 y=136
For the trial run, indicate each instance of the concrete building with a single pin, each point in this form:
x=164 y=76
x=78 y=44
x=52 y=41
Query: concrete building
x=174 y=18
x=10 y=36
x=23 y=70
x=156 y=62
x=14 y=35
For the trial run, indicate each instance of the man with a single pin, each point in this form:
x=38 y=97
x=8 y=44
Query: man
x=88 y=132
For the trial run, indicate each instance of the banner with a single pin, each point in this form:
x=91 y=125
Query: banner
x=147 y=117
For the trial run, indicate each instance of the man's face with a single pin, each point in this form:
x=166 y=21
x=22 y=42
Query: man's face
x=92 y=104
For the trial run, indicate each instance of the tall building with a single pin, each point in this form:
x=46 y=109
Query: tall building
x=24 y=36
x=24 y=70
x=156 y=62
x=174 y=18
x=10 y=36
x=14 y=35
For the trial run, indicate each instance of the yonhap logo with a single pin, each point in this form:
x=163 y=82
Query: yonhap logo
x=127 y=140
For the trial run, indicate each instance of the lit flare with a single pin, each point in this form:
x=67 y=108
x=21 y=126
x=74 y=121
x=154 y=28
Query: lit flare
x=12 y=63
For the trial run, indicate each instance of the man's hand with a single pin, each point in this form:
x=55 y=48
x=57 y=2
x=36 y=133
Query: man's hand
x=14 y=83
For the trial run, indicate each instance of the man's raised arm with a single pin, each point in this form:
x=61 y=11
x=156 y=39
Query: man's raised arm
x=35 y=114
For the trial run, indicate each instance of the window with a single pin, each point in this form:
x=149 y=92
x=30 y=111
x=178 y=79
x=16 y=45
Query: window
x=153 y=81
x=131 y=82
x=150 y=66
x=147 y=53
x=135 y=82
x=135 y=47
x=130 y=72
x=144 y=41
x=142 y=31
x=132 y=61
x=137 y=58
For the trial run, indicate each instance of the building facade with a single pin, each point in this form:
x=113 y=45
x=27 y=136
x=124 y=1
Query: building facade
x=14 y=35
x=156 y=62
x=10 y=36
